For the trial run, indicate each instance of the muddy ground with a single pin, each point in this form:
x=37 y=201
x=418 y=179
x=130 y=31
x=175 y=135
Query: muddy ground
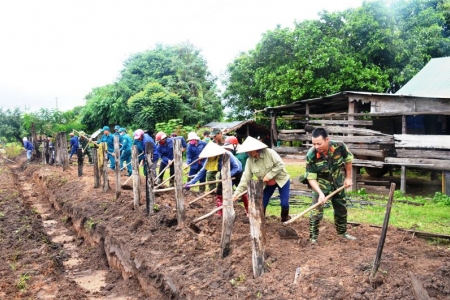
x=62 y=239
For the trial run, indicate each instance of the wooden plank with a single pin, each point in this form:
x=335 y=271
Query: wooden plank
x=178 y=168
x=292 y=131
x=408 y=105
x=80 y=161
x=367 y=163
x=105 y=169
x=117 y=165
x=371 y=153
x=228 y=211
x=419 y=292
x=257 y=226
x=136 y=177
x=345 y=139
x=413 y=153
x=423 y=163
x=339 y=122
x=288 y=150
x=421 y=141
x=363 y=146
x=384 y=230
x=345 y=130
x=96 y=168
x=150 y=179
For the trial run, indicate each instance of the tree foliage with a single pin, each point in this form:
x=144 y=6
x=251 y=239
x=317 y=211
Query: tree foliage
x=10 y=124
x=168 y=82
x=377 y=47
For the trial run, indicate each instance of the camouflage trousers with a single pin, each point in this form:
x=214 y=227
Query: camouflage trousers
x=340 y=215
x=88 y=152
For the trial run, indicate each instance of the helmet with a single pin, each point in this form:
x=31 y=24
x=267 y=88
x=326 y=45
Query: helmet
x=192 y=136
x=138 y=133
x=232 y=140
x=160 y=136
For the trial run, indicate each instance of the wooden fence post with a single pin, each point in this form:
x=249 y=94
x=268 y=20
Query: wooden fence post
x=96 y=173
x=117 y=164
x=150 y=179
x=178 y=161
x=46 y=155
x=80 y=161
x=257 y=226
x=387 y=214
x=136 y=177
x=34 y=141
x=227 y=210
x=105 y=169
x=61 y=144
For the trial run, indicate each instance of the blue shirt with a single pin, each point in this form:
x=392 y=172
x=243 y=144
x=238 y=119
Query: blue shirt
x=28 y=145
x=192 y=153
x=141 y=147
x=126 y=142
x=74 y=142
x=166 y=151
x=109 y=140
x=235 y=166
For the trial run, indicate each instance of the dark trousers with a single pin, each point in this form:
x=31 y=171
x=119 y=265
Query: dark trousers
x=162 y=166
x=284 y=194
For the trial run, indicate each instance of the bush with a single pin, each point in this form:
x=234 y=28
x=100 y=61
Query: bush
x=13 y=150
x=441 y=199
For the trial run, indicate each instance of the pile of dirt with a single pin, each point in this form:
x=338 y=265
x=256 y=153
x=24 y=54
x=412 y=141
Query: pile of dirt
x=178 y=263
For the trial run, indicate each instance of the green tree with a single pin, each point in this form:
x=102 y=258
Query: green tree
x=10 y=125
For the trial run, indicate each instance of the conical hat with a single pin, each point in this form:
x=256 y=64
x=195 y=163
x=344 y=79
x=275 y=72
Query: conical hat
x=211 y=149
x=231 y=146
x=251 y=144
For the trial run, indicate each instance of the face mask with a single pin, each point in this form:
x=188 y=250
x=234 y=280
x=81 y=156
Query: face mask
x=192 y=142
x=162 y=142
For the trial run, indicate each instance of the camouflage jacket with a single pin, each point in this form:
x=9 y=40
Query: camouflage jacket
x=327 y=170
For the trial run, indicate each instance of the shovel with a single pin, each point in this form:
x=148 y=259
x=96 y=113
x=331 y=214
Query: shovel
x=313 y=206
x=125 y=186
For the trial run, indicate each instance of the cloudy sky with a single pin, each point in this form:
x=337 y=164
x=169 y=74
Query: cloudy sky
x=53 y=52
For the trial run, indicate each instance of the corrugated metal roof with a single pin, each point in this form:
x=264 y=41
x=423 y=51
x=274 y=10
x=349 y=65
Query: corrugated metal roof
x=432 y=81
x=223 y=125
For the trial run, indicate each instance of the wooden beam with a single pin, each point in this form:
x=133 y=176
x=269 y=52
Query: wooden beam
x=178 y=168
x=136 y=177
x=384 y=230
x=413 y=153
x=228 y=211
x=425 y=163
x=150 y=179
x=371 y=153
x=96 y=168
x=345 y=139
x=292 y=131
x=421 y=141
x=257 y=226
x=339 y=122
x=344 y=130
x=117 y=165
x=367 y=163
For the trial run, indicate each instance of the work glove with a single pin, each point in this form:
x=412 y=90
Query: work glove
x=187 y=187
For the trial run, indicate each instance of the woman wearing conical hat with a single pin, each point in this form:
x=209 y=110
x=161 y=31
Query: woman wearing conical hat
x=212 y=151
x=264 y=163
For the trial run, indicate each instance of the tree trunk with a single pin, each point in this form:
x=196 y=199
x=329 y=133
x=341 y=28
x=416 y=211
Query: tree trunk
x=150 y=179
x=228 y=210
x=136 y=177
x=96 y=173
x=117 y=165
x=257 y=226
x=178 y=161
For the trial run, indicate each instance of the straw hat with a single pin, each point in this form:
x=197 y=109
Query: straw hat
x=251 y=144
x=193 y=136
x=211 y=149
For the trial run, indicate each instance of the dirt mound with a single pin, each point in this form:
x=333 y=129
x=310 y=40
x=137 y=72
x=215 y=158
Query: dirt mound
x=174 y=263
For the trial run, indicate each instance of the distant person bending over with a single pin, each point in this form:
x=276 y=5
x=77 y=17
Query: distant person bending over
x=29 y=147
x=164 y=148
x=73 y=144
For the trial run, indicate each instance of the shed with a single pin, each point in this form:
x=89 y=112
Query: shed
x=403 y=129
x=242 y=129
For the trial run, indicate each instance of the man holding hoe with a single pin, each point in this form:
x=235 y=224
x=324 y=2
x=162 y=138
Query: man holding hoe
x=323 y=173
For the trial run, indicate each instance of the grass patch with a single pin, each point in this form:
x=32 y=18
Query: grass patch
x=12 y=150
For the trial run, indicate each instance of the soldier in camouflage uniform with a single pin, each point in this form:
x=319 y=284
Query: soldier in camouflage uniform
x=84 y=142
x=324 y=162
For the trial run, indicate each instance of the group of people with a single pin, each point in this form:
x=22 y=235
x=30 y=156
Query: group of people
x=324 y=162
x=252 y=158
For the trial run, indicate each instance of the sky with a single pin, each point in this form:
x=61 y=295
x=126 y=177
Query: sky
x=54 y=52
